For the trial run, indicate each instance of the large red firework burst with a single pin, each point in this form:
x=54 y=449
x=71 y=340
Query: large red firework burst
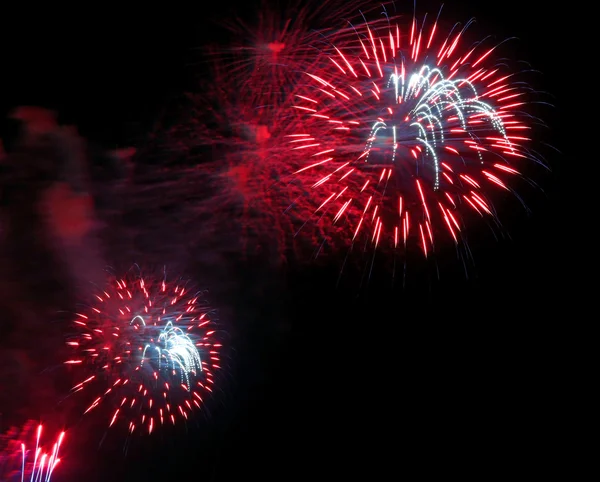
x=145 y=350
x=408 y=133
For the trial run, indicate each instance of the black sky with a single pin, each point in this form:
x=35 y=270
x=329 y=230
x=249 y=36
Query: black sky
x=446 y=374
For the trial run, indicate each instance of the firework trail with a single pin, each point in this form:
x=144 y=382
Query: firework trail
x=20 y=463
x=146 y=351
x=409 y=133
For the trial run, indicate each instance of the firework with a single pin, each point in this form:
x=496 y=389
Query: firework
x=147 y=351
x=409 y=133
x=31 y=466
x=266 y=57
x=43 y=464
x=241 y=113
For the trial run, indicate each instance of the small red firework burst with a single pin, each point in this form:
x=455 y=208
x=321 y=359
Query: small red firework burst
x=407 y=134
x=146 y=351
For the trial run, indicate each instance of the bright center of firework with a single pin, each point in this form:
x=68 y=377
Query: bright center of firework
x=276 y=47
x=394 y=125
x=416 y=106
x=172 y=351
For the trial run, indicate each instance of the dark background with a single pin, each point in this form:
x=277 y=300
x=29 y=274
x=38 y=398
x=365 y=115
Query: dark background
x=444 y=374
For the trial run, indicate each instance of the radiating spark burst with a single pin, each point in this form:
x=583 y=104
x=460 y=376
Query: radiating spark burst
x=33 y=466
x=267 y=54
x=242 y=113
x=407 y=131
x=246 y=143
x=148 y=350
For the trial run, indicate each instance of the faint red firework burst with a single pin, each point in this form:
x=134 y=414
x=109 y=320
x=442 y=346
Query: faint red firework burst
x=246 y=146
x=145 y=350
x=243 y=113
x=266 y=55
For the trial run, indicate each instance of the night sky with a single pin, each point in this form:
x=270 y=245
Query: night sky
x=452 y=375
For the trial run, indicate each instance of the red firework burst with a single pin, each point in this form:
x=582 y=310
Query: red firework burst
x=407 y=133
x=146 y=351
x=266 y=55
x=243 y=111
